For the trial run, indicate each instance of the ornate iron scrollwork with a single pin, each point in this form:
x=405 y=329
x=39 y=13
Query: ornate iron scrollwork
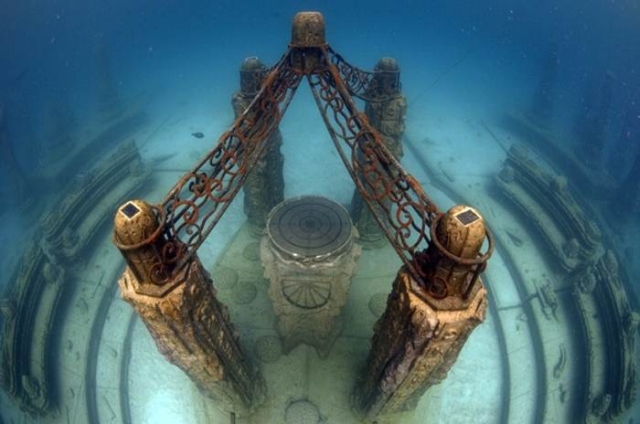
x=197 y=202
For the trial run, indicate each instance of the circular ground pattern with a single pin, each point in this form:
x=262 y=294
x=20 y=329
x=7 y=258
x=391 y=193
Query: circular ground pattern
x=225 y=278
x=268 y=348
x=302 y=412
x=378 y=303
x=251 y=252
x=306 y=294
x=309 y=226
x=244 y=292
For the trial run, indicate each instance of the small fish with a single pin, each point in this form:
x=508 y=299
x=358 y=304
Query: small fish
x=197 y=134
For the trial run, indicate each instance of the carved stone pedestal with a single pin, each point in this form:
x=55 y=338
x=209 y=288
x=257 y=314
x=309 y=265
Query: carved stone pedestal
x=309 y=256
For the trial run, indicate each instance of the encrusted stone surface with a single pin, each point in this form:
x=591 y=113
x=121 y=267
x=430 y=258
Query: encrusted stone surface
x=413 y=347
x=608 y=330
x=191 y=329
x=545 y=199
x=76 y=220
x=32 y=311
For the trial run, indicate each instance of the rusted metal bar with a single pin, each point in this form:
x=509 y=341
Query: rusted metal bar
x=395 y=198
x=197 y=202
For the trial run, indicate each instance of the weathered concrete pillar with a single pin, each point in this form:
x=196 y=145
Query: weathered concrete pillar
x=386 y=110
x=264 y=187
x=190 y=326
x=424 y=327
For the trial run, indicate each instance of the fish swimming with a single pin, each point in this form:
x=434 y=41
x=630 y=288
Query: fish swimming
x=197 y=134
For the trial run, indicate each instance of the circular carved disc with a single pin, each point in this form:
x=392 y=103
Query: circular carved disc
x=307 y=294
x=309 y=226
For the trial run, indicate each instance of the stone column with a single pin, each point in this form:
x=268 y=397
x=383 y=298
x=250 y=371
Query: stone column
x=190 y=326
x=386 y=110
x=264 y=187
x=425 y=325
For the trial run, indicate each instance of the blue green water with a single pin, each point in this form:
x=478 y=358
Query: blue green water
x=468 y=61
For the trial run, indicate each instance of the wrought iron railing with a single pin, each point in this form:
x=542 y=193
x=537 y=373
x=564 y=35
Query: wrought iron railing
x=197 y=202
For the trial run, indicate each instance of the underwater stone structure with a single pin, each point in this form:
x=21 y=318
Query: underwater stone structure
x=190 y=326
x=30 y=312
x=264 y=187
x=440 y=252
x=423 y=329
x=547 y=202
x=386 y=109
x=71 y=226
x=309 y=255
x=608 y=329
x=592 y=181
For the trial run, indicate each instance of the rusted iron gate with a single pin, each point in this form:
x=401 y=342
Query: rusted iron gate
x=196 y=203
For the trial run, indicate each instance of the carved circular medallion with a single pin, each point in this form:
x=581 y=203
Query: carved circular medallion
x=224 y=278
x=306 y=294
x=309 y=226
x=251 y=252
x=302 y=412
x=268 y=348
x=378 y=303
x=244 y=292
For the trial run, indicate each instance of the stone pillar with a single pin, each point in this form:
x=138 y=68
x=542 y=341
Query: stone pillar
x=264 y=186
x=309 y=256
x=425 y=325
x=386 y=110
x=190 y=326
